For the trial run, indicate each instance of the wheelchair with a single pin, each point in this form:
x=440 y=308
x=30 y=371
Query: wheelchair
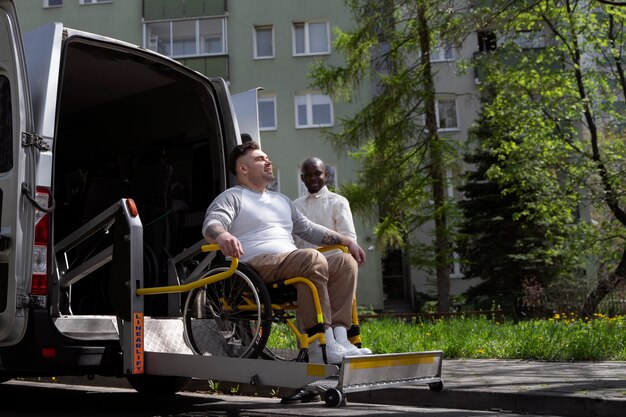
x=232 y=314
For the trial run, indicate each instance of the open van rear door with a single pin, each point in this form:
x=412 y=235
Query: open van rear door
x=16 y=213
x=247 y=111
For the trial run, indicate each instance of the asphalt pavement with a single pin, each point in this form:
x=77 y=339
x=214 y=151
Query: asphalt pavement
x=576 y=389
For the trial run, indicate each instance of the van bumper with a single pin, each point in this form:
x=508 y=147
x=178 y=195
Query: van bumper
x=43 y=351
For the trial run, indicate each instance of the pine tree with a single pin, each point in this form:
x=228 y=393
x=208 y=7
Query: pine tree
x=505 y=250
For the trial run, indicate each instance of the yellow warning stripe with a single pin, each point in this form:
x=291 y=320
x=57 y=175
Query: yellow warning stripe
x=373 y=362
x=316 y=370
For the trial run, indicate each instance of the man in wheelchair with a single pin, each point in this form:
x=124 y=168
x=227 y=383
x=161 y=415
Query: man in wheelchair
x=256 y=225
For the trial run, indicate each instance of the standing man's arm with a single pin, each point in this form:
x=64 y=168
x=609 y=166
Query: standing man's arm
x=343 y=217
x=318 y=234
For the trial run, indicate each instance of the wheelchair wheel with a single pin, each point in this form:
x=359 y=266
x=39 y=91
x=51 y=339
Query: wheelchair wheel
x=231 y=317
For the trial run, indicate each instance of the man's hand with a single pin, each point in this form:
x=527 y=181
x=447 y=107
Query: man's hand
x=229 y=244
x=356 y=251
x=334 y=238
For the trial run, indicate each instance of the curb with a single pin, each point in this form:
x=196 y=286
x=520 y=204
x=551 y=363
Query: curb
x=566 y=405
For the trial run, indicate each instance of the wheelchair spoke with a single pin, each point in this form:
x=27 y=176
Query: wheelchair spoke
x=228 y=318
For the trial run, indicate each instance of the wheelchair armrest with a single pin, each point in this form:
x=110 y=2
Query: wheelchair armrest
x=333 y=247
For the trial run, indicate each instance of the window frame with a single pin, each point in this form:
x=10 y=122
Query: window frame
x=47 y=5
x=307 y=38
x=441 y=50
x=438 y=102
x=269 y=98
x=198 y=37
x=256 y=42
x=90 y=2
x=455 y=269
x=309 y=111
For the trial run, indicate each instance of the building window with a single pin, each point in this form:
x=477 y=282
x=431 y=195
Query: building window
x=52 y=3
x=311 y=38
x=267 y=112
x=185 y=38
x=442 y=53
x=456 y=268
x=446 y=114
x=95 y=1
x=487 y=41
x=263 y=42
x=313 y=110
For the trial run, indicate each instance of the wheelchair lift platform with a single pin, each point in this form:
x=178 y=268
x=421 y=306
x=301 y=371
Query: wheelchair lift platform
x=158 y=346
x=167 y=355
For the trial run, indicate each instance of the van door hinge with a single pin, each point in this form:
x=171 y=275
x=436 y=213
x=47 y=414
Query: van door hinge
x=31 y=139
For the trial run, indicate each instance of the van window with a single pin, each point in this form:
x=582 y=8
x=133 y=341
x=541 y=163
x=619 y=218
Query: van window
x=6 y=125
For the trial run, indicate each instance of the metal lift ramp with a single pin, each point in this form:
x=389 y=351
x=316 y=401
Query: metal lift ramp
x=156 y=346
x=167 y=354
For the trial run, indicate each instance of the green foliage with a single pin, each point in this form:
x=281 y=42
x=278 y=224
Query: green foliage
x=214 y=386
x=275 y=392
x=281 y=337
x=558 y=124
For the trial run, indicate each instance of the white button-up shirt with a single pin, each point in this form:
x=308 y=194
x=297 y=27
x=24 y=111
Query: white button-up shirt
x=328 y=209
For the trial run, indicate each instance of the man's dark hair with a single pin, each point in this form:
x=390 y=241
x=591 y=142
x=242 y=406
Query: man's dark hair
x=238 y=151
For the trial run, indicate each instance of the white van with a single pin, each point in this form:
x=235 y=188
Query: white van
x=85 y=121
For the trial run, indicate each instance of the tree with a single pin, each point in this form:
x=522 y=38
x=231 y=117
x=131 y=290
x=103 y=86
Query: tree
x=558 y=115
x=403 y=177
x=508 y=252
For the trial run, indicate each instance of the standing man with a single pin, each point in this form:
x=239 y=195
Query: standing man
x=331 y=210
x=256 y=225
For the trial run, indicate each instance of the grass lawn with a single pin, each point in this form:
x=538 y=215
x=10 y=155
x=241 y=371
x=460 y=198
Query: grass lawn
x=564 y=337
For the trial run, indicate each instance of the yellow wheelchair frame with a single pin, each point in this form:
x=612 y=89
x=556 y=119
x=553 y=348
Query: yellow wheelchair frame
x=229 y=311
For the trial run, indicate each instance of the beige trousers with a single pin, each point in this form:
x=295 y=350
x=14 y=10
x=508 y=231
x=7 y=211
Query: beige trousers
x=335 y=279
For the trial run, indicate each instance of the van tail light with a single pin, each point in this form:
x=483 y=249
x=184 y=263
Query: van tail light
x=41 y=243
